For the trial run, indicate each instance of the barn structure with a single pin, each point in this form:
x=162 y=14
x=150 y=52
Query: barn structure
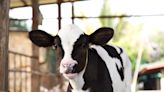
x=19 y=72
x=151 y=77
x=19 y=82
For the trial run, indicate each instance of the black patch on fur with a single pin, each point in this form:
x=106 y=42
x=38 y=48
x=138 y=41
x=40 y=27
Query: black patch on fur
x=96 y=76
x=79 y=53
x=69 y=88
x=121 y=50
x=120 y=71
x=114 y=54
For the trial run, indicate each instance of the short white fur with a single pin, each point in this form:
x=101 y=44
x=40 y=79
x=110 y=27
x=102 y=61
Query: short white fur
x=118 y=84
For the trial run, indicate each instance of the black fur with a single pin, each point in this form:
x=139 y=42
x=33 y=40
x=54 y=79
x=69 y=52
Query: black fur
x=96 y=76
x=114 y=54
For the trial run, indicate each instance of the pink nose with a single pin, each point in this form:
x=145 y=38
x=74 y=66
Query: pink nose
x=68 y=65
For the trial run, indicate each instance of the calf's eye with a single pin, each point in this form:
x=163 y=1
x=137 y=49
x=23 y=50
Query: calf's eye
x=54 y=47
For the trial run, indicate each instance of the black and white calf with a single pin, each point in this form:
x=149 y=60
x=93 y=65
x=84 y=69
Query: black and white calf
x=86 y=61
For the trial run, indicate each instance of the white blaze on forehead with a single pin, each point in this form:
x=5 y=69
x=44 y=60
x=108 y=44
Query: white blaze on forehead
x=68 y=35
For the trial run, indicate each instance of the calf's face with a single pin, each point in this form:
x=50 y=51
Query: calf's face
x=71 y=46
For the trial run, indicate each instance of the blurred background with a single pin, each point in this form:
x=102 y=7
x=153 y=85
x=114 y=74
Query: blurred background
x=138 y=26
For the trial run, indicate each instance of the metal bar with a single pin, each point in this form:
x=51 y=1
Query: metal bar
x=107 y=16
x=118 y=16
x=59 y=13
x=73 y=13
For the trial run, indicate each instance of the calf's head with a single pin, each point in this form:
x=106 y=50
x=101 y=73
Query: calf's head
x=71 y=46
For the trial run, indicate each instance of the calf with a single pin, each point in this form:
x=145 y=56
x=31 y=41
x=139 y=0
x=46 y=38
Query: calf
x=89 y=64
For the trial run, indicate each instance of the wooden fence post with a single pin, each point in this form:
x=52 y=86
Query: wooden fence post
x=35 y=78
x=4 y=22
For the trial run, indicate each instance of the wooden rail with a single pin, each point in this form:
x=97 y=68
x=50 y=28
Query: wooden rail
x=20 y=72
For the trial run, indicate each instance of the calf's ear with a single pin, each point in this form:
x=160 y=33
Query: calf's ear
x=101 y=36
x=41 y=38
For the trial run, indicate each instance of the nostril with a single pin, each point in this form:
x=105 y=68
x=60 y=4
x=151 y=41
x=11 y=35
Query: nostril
x=68 y=65
x=69 y=70
x=74 y=70
x=65 y=65
x=71 y=65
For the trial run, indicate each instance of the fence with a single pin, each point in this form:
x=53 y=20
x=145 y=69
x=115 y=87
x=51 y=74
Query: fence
x=19 y=72
x=20 y=75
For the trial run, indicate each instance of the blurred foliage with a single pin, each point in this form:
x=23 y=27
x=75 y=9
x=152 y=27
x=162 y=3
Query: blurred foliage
x=105 y=10
x=130 y=37
x=156 y=39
